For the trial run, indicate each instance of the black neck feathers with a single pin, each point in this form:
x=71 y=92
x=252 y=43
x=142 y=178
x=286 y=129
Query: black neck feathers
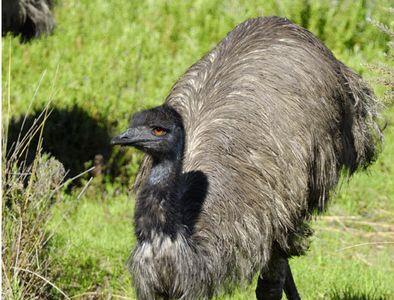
x=158 y=210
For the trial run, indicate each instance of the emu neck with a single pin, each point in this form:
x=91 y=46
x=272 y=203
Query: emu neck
x=164 y=173
x=158 y=212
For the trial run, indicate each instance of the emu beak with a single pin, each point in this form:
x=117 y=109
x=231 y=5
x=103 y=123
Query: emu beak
x=130 y=137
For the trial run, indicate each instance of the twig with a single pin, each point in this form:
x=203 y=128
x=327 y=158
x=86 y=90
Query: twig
x=357 y=220
x=97 y=294
x=71 y=179
x=46 y=280
x=335 y=218
x=356 y=232
x=5 y=276
x=18 y=247
x=30 y=105
x=363 y=260
x=363 y=244
x=84 y=188
x=377 y=224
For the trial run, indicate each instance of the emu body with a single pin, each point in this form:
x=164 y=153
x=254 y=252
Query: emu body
x=262 y=126
x=29 y=18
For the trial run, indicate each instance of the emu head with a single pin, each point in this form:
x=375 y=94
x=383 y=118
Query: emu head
x=157 y=132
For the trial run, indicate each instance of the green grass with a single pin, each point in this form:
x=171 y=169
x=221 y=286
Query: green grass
x=107 y=59
x=114 y=57
x=93 y=243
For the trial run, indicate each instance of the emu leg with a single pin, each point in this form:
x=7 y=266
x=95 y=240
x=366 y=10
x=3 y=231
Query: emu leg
x=290 y=287
x=274 y=279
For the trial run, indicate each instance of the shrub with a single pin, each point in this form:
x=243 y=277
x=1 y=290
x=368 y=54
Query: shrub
x=29 y=192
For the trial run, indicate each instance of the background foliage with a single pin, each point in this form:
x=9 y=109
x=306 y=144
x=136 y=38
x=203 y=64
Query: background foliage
x=107 y=59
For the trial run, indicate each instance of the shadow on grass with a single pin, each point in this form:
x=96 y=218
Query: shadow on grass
x=350 y=294
x=73 y=136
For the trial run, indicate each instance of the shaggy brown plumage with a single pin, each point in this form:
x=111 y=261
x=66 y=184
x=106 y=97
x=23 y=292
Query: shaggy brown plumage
x=270 y=118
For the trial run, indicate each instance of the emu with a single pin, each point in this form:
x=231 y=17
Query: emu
x=29 y=18
x=248 y=144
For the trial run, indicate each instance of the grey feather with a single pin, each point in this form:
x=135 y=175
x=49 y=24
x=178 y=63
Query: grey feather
x=271 y=118
x=29 y=18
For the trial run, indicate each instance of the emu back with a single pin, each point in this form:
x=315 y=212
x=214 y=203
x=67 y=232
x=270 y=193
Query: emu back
x=29 y=18
x=271 y=118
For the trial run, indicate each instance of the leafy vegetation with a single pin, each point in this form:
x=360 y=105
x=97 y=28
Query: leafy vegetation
x=107 y=59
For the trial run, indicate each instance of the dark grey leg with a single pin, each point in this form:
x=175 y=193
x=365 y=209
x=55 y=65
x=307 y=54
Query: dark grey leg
x=290 y=287
x=271 y=281
x=276 y=278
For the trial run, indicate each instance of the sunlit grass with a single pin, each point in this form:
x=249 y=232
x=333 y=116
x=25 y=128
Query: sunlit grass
x=111 y=58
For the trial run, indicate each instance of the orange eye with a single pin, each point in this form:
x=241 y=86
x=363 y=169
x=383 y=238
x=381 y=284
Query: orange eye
x=158 y=131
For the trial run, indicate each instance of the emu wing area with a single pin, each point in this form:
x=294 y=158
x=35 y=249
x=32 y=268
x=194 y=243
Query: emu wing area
x=270 y=117
x=257 y=110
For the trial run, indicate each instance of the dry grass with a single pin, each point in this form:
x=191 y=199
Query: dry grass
x=28 y=195
x=384 y=73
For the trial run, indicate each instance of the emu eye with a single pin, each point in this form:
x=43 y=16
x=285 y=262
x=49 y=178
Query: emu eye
x=158 y=131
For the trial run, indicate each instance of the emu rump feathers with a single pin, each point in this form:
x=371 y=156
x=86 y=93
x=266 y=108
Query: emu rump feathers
x=270 y=118
x=29 y=18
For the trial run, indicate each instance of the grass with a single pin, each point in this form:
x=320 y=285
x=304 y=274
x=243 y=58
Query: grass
x=90 y=253
x=360 y=217
x=145 y=49
x=111 y=58
x=29 y=192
